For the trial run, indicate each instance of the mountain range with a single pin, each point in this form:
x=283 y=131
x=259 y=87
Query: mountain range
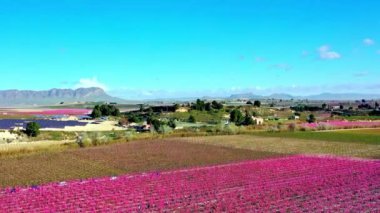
x=322 y=96
x=13 y=98
x=53 y=96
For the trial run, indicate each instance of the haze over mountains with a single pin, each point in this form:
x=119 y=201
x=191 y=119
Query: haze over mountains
x=9 y=98
x=53 y=96
x=322 y=96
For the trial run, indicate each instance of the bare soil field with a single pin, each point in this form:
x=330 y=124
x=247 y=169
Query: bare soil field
x=116 y=159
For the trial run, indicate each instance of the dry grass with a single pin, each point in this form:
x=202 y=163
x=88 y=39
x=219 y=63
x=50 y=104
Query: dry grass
x=22 y=148
x=290 y=145
x=117 y=159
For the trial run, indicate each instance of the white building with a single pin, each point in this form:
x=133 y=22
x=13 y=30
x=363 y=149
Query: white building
x=258 y=120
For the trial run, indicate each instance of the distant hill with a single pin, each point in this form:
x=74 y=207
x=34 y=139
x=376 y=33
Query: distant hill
x=246 y=95
x=10 y=98
x=343 y=96
x=322 y=96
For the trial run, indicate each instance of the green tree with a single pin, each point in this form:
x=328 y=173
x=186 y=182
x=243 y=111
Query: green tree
x=134 y=118
x=208 y=107
x=157 y=125
x=32 y=129
x=324 y=105
x=149 y=119
x=176 y=106
x=257 y=103
x=172 y=123
x=249 y=102
x=115 y=111
x=311 y=118
x=199 y=105
x=248 y=119
x=96 y=113
x=105 y=110
x=236 y=116
x=192 y=119
x=217 y=105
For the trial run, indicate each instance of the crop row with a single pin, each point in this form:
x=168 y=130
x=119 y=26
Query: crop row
x=298 y=183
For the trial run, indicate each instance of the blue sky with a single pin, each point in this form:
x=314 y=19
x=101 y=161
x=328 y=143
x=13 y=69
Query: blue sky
x=148 y=49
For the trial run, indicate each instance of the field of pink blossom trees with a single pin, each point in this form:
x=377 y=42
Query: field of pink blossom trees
x=295 y=184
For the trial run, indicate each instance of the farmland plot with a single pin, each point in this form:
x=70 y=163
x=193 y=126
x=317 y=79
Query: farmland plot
x=116 y=159
x=298 y=183
x=284 y=143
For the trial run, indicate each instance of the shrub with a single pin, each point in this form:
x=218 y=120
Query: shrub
x=292 y=127
x=156 y=125
x=273 y=129
x=236 y=116
x=302 y=129
x=92 y=139
x=231 y=129
x=192 y=119
x=32 y=129
x=248 y=120
x=257 y=103
x=311 y=118
x=172 y=124
x=123 y=121
x=217 y=105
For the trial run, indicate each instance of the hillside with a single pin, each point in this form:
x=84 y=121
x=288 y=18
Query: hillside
x=9 y=98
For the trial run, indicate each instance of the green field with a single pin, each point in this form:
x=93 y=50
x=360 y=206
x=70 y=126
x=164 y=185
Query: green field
x=200 y=116
x=355 y=118
x=287 y=145
x=56 y=160
x=351 y=136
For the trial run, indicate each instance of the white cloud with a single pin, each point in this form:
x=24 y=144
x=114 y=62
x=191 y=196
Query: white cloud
x=326 y=54
x=90 y=82
x=368 y=41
